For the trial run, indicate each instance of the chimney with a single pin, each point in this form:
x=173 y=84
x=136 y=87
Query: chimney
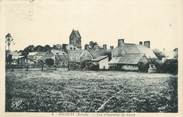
x=121 y=42
x=147 y=44
x=111 y=47
x=105 y=46
x=140 y=43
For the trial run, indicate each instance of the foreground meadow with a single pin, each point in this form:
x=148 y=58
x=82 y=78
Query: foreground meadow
x=89 y=91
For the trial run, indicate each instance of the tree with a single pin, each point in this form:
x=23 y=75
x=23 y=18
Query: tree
x=86 y=46
x=55 y=47
x=41 y=62
x=25 y=53
x=39 y=48
x=92 y=44
x=9 y=61
x=175 y=53
x=159 y=53
x=170 y=66
x=47 y=48
x=8 y=40
x=143 y=67
x=49 y=62
x=29 y=48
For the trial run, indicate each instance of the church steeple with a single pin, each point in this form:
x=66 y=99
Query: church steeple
x=75 y=38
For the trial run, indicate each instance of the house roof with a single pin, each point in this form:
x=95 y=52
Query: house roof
x=133 y=49
x=147 y=51
x=48 y=55
x=32 y=53
x=132 y=58
x=16 y=55
x=35 y=56
x=61 y=57
x=99 y=58
x=79 y=55
x=58 y=52
x=98 y=53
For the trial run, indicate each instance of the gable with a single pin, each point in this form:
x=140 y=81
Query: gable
x=98 y=53
x=147 y=51
x=79 y=55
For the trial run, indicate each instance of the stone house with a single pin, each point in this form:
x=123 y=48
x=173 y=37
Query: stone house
x=77 y=57
x=17 y=59
x=132 y=57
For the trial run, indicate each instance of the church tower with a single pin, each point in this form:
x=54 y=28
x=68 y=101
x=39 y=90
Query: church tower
x=75 y=39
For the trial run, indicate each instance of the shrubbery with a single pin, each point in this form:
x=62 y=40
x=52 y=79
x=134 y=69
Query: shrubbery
x=49 y=62
x=169 y=66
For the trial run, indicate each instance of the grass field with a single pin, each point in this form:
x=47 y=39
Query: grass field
x=90 y=91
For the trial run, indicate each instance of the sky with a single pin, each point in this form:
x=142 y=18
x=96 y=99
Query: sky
x=41 y=22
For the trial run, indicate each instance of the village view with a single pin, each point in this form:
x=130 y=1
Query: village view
x=95 y=78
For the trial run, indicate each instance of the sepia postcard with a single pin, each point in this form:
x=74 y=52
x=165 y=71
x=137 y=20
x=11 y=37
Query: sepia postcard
x=91 y=58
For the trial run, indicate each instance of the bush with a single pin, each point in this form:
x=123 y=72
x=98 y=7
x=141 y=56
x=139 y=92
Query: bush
x=143 y=67
x=49 y=62
x=171 y=66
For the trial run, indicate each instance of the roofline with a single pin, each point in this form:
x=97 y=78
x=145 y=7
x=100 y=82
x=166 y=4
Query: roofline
x=123 y=63
x=99 y=60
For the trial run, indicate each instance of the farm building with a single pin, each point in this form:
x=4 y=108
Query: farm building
x=129 y=62
x=131 y=57
x=76 y=57
x=17 y=59
x=84 y=59
x=99 y=52
x=59 y=57
x=101 y=57
x=101 y=62
x=34 y=57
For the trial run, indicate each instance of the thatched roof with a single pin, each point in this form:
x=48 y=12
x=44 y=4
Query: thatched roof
x=82 y=55
x=133 y=49
x=127 y=59
x=99 y=58
x=99 y=52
